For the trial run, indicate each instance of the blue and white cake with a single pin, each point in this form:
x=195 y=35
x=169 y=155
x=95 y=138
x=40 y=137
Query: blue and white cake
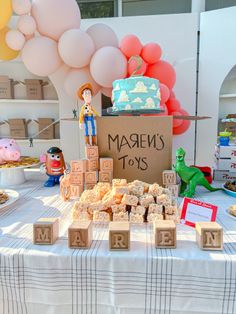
x=136 y=93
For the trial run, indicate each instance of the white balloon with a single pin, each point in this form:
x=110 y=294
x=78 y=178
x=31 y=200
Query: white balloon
x=102 y=36
x=15 y=40
x=26 y=24
x=21 y=7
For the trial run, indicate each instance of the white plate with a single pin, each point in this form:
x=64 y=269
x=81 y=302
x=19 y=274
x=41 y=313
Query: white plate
x=228 y=214
x=13 y=197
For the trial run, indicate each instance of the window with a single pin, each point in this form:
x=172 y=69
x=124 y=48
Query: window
x=219 y=4
x=97 y=9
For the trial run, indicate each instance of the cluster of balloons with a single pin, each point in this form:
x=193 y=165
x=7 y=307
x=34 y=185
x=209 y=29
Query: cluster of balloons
x=48 y=35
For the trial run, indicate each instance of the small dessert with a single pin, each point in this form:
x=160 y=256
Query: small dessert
x=232 y=210
x=146 y=199
x=136 y=218
x=3 y=197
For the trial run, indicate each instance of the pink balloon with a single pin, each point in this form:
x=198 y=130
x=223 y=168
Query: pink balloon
x=165 y=93
x=151 y=53
x=107 y=65
x=15 y=40
x=54 y=17
x=21 y=7
x=40 y=56
x=164 y=72
x=76 y=48
x=176 y=122
x=102 y=36
x=76 y=78
x=26 y=24
x=130 y=45
x=132 y=66
x=106 y=91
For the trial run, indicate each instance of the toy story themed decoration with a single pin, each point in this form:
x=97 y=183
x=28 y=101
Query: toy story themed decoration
x=190 y=176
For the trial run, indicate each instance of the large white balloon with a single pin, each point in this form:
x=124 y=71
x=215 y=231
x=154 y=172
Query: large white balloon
x=107 y=65
x=40 y=56
x=54 y=17
x=15 y=40
x=21 y=7
x=76 y=78
x=26 y=24
x=102 y=36
x=76 y=48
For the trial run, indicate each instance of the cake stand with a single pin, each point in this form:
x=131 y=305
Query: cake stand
x=111 y=111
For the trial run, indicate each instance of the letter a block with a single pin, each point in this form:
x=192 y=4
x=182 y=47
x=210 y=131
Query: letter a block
x=119 y=236
x=209 y=235
x=80 y=235
x=169 y=177
x=165 y=234
x=45 y=231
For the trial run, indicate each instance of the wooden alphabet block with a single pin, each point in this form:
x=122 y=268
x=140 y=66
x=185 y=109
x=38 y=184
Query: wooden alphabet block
x=164 y=234
x=169 y=177
x=80 y=235
x=105 y=176
x=78 y=165
x=119 y=235
x=90 y=186
x=77 y=178
x=76 y=190
x=106 y=164
x=45 y=231
x=91 y=177
x=209 y=235
x=91 y=152
x=92 y=164
x=174 y=189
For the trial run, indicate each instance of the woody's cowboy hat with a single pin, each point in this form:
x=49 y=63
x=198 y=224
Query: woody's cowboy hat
x=82 y=88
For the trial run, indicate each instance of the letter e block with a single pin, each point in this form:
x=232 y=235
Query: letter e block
x=209 y=235
x=165 y=234
x=105 y=176
x=91 y=177
x=174 y=189
x=119 y=236
x=45 y=231
x=80 y=235
x=78 y=165
x=106 y=164
x=92 y=164
x=91 y=152
x=169 y=177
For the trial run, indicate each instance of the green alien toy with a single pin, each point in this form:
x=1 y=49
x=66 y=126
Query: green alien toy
x=190 y=176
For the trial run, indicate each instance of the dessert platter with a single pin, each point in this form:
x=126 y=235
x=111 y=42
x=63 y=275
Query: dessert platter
x=7 y=198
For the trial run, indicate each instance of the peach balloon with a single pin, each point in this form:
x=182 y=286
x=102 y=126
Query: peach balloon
x=21 y=7
x=151 y=53
x=133 y=64
x=165 y=93
x=106 y=91
x=76 y=48
x=162 y=71
x=130 y=45
x=77 y=77
x=102 y=36
x=107 y=65
x=54 y=17
x=40 y=56
x=26 y=24
x=15 y=40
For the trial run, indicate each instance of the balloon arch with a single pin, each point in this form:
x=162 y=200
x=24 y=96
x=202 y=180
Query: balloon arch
x=47 y=41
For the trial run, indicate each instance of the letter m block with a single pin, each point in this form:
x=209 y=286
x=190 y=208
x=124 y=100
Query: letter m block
x=45 y=231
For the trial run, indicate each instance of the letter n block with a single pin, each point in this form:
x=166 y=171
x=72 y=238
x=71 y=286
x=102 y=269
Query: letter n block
x=91 y=177
x=78 y=165
x=169 y=177
x=80 y=235
x=106 y=164
x=119 y=236
x=209 y=235
x=105 y=176
x=92 y=164
x=91 y=151
x=45 y=231
x=165 y=234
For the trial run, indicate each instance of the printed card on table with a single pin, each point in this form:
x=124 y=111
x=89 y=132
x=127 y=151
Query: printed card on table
x=196 y=211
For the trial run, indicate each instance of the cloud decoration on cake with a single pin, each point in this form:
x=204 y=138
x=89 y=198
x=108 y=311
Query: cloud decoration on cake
x=149 y=103
x=153 y=87
x=137 y=100
x=140 y=88
x=117 y=88
x=123 y=97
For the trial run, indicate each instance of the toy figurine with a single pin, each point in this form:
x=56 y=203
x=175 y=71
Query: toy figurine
x=87 y=112
x=190 y=176
x=74 y=113
x=54 y=166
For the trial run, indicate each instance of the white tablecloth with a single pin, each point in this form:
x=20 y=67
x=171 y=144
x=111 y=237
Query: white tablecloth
x=55 y=279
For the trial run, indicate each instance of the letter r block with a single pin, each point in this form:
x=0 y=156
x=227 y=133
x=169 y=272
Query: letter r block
x=119 y=236
x=165 y=234
x=45 y=231
x=80 y=235
x=209 y=235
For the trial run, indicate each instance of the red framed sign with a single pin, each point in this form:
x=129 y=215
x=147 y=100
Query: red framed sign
x=195 y=211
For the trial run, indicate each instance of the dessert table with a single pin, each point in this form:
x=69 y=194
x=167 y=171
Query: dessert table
x=55 y=279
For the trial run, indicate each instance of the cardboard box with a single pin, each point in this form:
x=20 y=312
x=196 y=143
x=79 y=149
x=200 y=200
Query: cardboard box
x=34 y=89
x=226 y=164
x=49 y=133
x=18 y=128
x=223 y=175
x=225 y=151
x=6 y=87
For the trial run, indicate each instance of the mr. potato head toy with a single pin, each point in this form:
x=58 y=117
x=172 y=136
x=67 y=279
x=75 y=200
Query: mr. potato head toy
x=53 y=165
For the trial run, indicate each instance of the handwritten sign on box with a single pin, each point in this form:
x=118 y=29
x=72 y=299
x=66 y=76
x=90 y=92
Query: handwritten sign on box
x=196 y=211
x=141 y=147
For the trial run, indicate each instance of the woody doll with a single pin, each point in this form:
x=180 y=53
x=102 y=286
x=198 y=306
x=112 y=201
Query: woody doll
x=87 y=113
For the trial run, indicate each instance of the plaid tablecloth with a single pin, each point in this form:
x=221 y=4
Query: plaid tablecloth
x=56 y=279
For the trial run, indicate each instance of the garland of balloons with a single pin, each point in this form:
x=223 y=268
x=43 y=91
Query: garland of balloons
x=48 y=35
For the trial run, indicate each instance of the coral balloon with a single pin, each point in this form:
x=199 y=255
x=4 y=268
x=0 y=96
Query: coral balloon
x=40 y=56
x=165 y=93
x=21 y=7
x=164 y=72
x=107 y=65
x=26 y=24
x=6 y=53
x=15 y=39
x=173 y=104
x=102 y=36
x=151 y=53
x=5 y=12
x=165 y=113
x=54 y=17
x=106 y=91
x=130 y=45
x=76 y=78
x=76 y=48
x=184 y=126
x=172 y=94
x=176 y=122
x=133 y=65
